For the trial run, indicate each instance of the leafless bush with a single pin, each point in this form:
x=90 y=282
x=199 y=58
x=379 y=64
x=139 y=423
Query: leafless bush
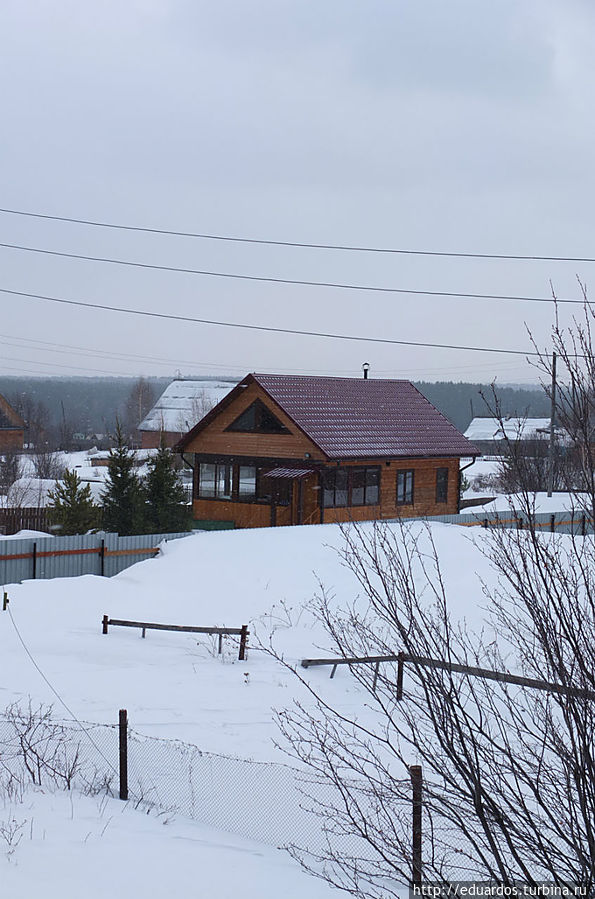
x=10 y=469
x=48 y=465
x=43 y=749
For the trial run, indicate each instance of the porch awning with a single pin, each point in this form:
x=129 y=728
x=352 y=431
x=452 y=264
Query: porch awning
x=290 y=473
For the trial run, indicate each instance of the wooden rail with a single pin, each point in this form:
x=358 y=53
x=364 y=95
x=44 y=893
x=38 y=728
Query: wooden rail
x=242 y=631
x=473 y=671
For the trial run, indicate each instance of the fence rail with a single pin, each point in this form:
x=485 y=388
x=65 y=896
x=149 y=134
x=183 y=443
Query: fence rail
x=241 y=632
x=102 y=554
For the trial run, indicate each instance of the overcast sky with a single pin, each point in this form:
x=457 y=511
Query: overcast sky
x=459 y=126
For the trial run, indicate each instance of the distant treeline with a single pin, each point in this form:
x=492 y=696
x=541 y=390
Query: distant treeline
x=461 y=402
x=91 y=405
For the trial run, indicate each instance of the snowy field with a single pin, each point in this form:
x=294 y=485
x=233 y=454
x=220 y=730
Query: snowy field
x=176 y=686
x=70 y=846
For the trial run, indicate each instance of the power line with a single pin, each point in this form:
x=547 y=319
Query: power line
x=300 y=282
x=266 y=328
x=291 y=243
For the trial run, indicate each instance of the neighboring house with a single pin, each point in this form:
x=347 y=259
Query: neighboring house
x=489 y=434
x=280 y=450
x=180 y=406
x=12 y=427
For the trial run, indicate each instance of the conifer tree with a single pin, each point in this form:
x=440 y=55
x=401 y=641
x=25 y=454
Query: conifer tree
x=72 y=507
x=124 y=496
x=167 y=508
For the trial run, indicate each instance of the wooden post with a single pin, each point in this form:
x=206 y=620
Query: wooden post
x=552 y=522
x=583 y=525
x=400 y=666
x=376 y=669
x=123 y=732
x=104 y=622
x=243 y=642
x=102 y=558
x=34 y=557
x=220 y=643
x=416 y=837
x=4 y=601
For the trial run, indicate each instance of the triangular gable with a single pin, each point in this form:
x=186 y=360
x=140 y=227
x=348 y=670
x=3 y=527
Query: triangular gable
x=257 y=419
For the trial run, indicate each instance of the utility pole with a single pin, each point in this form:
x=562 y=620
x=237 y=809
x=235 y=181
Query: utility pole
x=551 y=454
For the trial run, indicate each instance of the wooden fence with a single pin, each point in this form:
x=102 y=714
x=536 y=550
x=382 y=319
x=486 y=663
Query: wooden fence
x=27 y=519
x=242 y=632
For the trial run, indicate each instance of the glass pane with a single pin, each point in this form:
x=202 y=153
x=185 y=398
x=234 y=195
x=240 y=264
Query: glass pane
x=328 y=481
x=371 y=495
x=264 y=484
x=341 y=487
x=372 y=486
x=409 y=487
x=358 y=486
x=247 y=481
x=224 y=481
x=441 y=485
x=206 y=486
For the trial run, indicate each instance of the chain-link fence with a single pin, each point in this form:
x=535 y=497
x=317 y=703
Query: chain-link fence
x=270 y=802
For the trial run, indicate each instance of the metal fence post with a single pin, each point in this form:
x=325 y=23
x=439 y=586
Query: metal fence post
x=123 y=733
x=4 y=601
x=102 y=558
x=34 y=558
x=416 y=842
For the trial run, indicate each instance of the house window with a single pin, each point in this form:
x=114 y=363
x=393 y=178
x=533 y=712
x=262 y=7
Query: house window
x=365 y=484
x=257 y=418
x=351 y=487
x=441 y=485
x=405 y=487
x=247 y=482
x=215 y=481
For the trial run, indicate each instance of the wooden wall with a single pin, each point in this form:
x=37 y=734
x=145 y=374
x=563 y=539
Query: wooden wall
x=259 y=514
x=11 y=439
x=214 y=439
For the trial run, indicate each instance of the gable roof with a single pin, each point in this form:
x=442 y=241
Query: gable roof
x=182 y=404
x=356 y=418
x=9 y=419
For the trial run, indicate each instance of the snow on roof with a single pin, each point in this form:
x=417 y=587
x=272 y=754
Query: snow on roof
x=183 y=403
x=514 y=428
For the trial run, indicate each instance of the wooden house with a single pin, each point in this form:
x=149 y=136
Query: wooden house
x=12 y=428
x=282 y=450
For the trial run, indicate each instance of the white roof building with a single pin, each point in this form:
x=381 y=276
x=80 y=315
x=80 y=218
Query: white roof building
x=183 y=403
x=512 y=428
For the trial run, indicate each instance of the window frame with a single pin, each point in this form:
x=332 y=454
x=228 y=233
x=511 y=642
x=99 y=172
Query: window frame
x=408 y=495
x=260 y=410
x=442 y=486
x=350 y=473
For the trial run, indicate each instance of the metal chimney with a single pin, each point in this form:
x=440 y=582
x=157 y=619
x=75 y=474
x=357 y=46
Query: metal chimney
x=366 y=368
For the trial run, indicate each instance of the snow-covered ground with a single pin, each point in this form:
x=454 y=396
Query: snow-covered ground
x=75 y=846
x=176 y=686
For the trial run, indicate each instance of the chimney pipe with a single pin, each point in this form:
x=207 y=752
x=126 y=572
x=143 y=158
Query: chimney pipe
x=366 y=368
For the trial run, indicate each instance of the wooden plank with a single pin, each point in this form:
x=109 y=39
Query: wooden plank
x=177 y=627
x=486 y=673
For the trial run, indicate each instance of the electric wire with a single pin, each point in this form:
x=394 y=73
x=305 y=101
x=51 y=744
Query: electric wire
x=300 y=282
x=55 y=692
x=268 y=328
x=298 y=244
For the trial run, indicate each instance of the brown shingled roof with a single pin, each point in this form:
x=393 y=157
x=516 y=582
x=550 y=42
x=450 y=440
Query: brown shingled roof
x=357 y=418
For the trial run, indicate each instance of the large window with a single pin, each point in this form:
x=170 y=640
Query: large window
x=257 y=418
x=351 y=487
x=247 y=482
x=215 y=481
x=441 y=485
x=405 y=487
x=241 y=483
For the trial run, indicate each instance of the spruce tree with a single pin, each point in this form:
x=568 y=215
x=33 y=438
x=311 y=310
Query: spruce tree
x=71 y=505
x=167 y=508
x=124 y=496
